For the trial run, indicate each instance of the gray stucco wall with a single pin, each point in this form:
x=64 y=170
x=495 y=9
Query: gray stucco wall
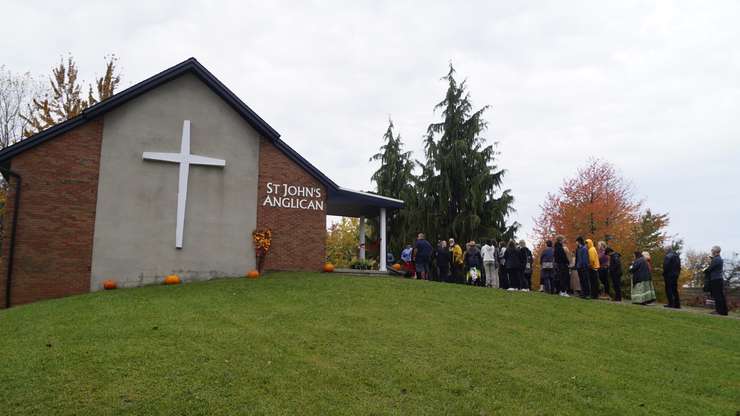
x=134 y=240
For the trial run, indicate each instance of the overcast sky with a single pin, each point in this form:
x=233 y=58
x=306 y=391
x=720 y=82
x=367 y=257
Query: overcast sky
x=652 y=87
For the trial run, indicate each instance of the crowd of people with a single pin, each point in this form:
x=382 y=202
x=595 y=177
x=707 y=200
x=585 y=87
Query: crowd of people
x=589 y=271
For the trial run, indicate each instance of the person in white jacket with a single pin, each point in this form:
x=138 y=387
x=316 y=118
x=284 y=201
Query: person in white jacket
x=488 y=251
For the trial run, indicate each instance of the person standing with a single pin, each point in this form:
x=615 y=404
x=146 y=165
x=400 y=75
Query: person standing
x=642 y=282
x=473 y=264
x=671 y=272
x=575 y=282
x=593 y=270
x=457 y=262
x=503 y=274
x=562 y=266
x=408 y=264
x=583 y=266
x=443 y=261
x=514 y=266
x=603 y=268
x=716 y=279
x=423 y=251
x=527 y=259
x=489 y=263
x=547 y=268
x=615 y=272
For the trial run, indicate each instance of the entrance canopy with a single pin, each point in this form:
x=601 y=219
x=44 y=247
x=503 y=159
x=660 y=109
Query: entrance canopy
x=348 y=203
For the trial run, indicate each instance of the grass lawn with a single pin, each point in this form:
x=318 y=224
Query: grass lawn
x=303 y=344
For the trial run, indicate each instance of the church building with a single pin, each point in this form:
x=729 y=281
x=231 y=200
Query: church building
x=171 y=175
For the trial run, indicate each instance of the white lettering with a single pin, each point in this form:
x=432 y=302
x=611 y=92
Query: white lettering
x=283 y=195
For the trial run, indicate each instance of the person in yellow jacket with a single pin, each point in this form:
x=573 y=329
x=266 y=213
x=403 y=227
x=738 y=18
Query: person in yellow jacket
x=457 y=262
x=593 y=270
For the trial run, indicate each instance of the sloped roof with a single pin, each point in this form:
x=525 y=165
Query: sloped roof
x=191 y=65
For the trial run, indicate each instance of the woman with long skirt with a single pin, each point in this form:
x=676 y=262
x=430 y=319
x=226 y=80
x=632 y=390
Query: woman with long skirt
x=643 y=291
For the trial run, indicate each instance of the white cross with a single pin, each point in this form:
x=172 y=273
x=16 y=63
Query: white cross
x=185 y=159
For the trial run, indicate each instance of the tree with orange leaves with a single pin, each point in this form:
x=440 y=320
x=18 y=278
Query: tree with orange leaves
x=597 y=203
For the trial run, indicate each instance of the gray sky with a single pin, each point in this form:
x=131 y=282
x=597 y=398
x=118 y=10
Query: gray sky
x=653 y=87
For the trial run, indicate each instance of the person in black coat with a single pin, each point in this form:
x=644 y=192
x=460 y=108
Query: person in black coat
x=562 y=267
x=527 y=259
x=615 y=272
x=503 y=272
x=714 y=274
x=671 y=271
x=442 y=255
x=514 y=266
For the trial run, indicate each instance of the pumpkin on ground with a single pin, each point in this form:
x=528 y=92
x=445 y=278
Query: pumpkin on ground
x=109 y=284
x=328 y=267
x=254 y=274
x=172 y=279
x=396 y=266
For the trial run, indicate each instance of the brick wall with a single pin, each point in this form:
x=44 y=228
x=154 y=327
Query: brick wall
x=298 y=235
x=56 y=219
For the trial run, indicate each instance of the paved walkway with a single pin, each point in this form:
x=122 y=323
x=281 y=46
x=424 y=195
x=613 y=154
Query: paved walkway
x=684 y=308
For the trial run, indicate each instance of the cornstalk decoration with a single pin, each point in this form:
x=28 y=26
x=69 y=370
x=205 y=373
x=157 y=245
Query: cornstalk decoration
x=262 y=239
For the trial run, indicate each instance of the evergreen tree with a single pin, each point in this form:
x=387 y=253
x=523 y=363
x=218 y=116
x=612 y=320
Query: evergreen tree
x=394 y=179
x=460 y=180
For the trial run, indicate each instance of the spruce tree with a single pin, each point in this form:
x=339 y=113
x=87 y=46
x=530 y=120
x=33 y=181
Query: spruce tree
x=394 y=179
x=461 y=181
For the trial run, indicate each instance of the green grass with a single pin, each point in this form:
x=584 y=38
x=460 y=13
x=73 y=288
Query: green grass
x=301 y=344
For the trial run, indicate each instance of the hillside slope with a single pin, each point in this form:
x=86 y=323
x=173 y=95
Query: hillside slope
x=296 y=343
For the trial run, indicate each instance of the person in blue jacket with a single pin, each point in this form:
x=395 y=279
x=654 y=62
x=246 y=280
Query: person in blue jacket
x=582 y=266
x=714 y=274
x=422 y=256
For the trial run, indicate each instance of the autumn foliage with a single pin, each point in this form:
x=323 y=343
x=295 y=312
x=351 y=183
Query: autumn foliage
x=597 y=203
x=262 y=240
x=600 y=204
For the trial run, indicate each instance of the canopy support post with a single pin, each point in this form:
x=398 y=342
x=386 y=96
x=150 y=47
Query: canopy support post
x=362 y=238
x=383 y=257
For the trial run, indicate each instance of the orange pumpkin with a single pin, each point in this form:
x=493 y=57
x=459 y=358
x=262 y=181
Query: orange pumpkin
x=396 y=267
x=254 y=274
x=328 y=267
x=109 y=284
x=172 y=279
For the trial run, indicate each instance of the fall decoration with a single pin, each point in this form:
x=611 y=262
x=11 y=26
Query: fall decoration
x=254 y=274
x=396 y=267
x=172 y=279
x=109 y=284
x=328 y=267
x=262 y=239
